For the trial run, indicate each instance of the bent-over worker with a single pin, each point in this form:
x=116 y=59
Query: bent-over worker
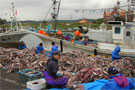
x=52 y=74
x=115 y=53
x=22 y=45
x=54 y=49
x=39 y=48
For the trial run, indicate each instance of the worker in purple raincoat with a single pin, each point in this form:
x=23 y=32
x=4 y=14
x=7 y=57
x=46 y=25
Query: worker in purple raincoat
x=67 y=37
x=118 y=81
x=52 y=74
x=85 y=40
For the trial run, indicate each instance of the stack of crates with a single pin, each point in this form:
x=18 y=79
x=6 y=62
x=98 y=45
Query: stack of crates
x=47 y=53
x=24 y=77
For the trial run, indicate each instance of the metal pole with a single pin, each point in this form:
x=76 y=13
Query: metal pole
x=12 y=17
x=56 y=16
x=126 y=17
x=61 y=45
x=11 y=22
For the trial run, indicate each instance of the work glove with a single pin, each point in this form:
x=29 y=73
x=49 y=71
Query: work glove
x=41 y=51
x=59 y=73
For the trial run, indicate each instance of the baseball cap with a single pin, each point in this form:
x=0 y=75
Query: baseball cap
x=112 y=70
x=56 y=53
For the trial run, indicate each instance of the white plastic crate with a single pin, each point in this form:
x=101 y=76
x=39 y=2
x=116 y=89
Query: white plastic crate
x=36 y=84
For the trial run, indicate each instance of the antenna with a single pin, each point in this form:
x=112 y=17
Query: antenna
x=118 y=4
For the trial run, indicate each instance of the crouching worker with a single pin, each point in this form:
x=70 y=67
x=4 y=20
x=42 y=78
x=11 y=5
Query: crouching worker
x=22 y=45
x=39 y=49
x=115 y=53
x=52 y=74
x=54 y=49
x=118 y=81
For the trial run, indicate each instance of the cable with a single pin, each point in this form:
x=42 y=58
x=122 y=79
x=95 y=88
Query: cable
x=91 y=9
x=47 y=13
x=57 y=15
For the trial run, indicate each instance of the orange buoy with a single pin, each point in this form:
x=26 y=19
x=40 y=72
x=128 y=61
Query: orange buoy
x=44 y=33
x=59 y=32
x=110 y=13
x=77 y=33
x=105 y=14
x=72 y=41
x=122 y=13
x=40 y=31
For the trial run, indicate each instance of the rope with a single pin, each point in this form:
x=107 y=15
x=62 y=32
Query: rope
x=57 y=15
x=47 y=14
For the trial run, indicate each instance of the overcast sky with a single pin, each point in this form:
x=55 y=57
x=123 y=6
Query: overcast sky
x=37 y=9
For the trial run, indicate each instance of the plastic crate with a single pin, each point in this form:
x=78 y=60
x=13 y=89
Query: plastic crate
x=95 y=42
x=79 y=42
x=24 y=77
x=47 y=53
x=37 y=84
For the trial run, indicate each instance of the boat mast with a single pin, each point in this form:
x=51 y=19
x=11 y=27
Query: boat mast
x=12 y=17
x=55 y=13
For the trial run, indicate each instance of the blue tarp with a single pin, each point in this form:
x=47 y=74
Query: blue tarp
x=97 y=85
x=59 y=89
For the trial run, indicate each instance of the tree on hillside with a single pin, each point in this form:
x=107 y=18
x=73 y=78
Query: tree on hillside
x=99 y=21
x=3 y=21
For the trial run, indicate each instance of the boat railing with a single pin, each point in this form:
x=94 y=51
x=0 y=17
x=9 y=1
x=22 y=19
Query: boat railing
x=15 y=29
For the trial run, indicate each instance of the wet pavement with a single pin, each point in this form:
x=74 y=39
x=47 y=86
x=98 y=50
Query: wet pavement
x=10 y=81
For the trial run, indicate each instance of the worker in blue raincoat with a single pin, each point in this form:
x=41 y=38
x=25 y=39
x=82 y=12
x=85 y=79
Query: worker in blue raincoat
x=118 y=81
x=39 y=49
x=54 y=48
x=22 y=45
x=115 y=53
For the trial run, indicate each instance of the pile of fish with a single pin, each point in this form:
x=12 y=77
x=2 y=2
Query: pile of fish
x=84 y=67
x=16 y=60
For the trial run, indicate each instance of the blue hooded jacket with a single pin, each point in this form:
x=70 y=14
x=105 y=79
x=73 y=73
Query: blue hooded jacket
x=38 y=49
x=54 y=48
x=22 y=47
x=115 y=53
x=119 y=82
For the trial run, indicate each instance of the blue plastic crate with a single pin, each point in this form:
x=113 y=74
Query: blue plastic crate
x=79 y=42
x=95 y=42
x=24 y=77
x=47 y=53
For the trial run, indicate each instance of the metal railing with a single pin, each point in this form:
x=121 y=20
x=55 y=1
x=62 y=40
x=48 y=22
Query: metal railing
x=6 y=30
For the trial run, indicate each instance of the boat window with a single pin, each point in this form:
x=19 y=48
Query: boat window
x=117 y=30
x=128 y=33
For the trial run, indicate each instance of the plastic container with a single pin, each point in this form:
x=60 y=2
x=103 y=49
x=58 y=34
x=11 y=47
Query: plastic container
x=36 y=84
x=47 y=53
x=24 y=77
x=78 y=42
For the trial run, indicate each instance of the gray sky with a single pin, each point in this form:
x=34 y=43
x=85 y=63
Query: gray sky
x=37 y=9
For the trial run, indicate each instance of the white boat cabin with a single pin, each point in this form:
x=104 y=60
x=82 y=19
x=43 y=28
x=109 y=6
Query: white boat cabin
x=123 y=33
